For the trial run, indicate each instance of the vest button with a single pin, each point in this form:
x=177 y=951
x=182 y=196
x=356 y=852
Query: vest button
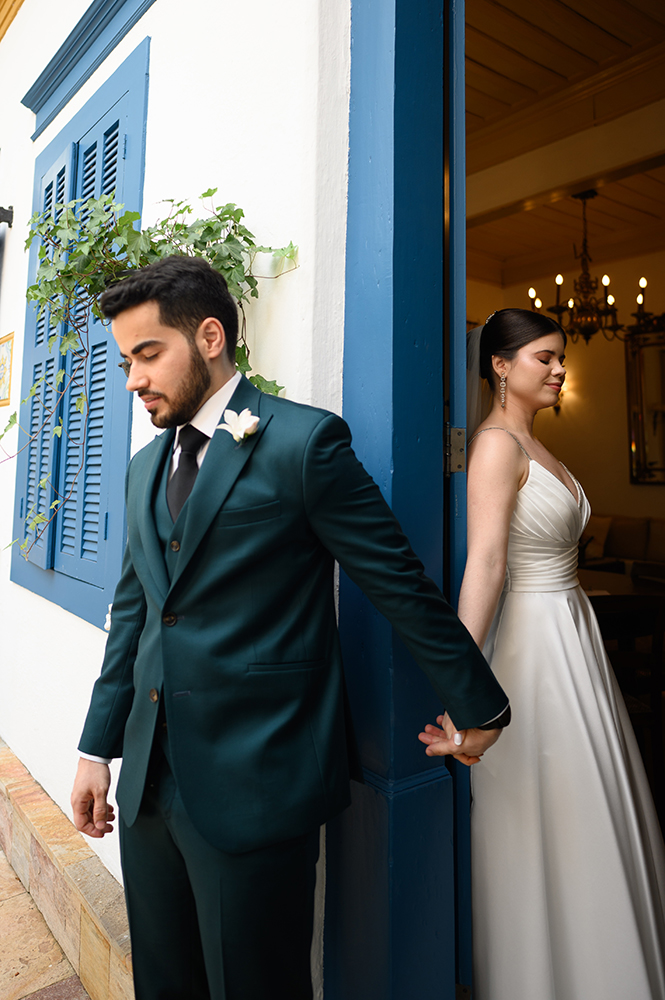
x=175 y=546
x=169 y=618
x=154 y=694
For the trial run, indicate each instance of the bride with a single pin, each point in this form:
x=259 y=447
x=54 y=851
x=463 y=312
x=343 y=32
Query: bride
x=568 y=865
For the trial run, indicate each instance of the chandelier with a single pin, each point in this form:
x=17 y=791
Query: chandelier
x=585 y=313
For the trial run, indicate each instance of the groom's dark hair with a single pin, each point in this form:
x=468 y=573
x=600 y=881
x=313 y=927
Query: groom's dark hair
x=509 y=329
x=187 y=291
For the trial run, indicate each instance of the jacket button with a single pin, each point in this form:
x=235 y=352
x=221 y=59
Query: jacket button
x=154 y=694
x=175 y=546
x=169 y=618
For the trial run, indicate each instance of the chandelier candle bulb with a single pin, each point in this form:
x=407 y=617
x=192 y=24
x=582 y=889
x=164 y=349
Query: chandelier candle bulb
x=537 y=303
x=605 y=280
x=559 y=283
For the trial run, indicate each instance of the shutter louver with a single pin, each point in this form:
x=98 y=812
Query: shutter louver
x=93 y=453
x=110 y=166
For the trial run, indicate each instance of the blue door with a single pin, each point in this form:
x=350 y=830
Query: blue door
x=391 y=857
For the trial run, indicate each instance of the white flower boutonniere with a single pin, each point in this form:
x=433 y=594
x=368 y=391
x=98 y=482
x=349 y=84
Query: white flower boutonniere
x=239 y=425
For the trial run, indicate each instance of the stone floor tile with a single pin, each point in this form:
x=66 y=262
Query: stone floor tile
x=67 y=989
x=30 y=958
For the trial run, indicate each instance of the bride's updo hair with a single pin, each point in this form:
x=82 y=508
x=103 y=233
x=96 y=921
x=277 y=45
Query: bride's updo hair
x=509 y=329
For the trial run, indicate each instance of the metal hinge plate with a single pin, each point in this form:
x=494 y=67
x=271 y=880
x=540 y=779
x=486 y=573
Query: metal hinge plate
x=462 y=992
x=455 y=457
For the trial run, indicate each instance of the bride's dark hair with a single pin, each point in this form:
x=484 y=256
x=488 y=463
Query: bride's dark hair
x=509 y=329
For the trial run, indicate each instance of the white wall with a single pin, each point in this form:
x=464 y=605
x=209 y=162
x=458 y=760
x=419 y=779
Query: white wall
x=590 y=434
x=251 y=98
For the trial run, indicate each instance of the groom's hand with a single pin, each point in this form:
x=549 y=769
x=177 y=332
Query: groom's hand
x=92 y=813
x=465 y=745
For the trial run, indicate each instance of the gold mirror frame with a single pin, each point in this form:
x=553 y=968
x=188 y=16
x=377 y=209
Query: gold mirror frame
x=645 y=382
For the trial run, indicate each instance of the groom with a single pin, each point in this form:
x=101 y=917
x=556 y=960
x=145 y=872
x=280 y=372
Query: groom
x=222 y=684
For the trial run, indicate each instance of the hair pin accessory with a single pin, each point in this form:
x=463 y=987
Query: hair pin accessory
x=489 y=317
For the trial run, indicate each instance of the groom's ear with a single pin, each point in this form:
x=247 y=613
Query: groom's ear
x=211 y=338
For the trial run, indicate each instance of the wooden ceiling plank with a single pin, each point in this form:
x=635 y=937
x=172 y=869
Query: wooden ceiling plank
x=621 y=20
x=619 y=99
x=614 y=208
x=562 y=22
x=654 y=8
x=499 y=245
x=631 y=196
x=496 y=85
x=528 y=39
x=649 y=239
x=648 y=185
x=564 y=112
x=482 y=104
x=635 y=175
x=501 y=58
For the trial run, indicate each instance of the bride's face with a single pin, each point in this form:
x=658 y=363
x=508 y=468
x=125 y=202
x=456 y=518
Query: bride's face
x=536 y=373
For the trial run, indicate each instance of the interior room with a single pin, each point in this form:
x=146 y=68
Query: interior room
x=565 y=110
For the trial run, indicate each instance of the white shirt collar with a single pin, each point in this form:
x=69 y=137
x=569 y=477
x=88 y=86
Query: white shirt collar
x=210 y=414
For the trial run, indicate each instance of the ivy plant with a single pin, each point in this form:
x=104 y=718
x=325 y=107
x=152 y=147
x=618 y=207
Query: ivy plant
x=84 y=246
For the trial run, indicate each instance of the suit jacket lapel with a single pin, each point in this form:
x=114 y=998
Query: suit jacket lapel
x=224 y=461
x=152 y=549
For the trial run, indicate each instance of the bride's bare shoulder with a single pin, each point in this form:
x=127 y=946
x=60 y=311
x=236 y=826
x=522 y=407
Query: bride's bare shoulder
x=493 y=448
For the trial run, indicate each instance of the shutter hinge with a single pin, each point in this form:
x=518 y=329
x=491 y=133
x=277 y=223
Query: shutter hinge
x=124 y=147
x=455 y=453
x=106 y=525
x=462 y=992
x=21 y=511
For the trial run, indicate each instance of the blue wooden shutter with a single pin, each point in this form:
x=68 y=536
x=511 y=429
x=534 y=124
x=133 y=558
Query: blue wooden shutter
x=40 y=456
x=82 y=525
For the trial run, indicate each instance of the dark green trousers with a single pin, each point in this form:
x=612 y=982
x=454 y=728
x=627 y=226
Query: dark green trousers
x=206 y=925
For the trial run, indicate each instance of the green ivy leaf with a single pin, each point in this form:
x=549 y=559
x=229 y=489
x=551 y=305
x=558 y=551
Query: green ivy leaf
x=272 y=388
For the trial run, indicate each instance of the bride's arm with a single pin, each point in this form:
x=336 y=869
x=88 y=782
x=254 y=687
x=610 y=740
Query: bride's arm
x=497 y=468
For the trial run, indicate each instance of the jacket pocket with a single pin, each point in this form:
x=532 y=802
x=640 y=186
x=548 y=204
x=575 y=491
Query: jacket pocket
x=248 y=515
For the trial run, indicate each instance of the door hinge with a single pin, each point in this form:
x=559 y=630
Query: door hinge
x=455 y=455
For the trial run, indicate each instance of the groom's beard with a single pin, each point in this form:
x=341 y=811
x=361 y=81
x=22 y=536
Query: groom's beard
x=188 y=395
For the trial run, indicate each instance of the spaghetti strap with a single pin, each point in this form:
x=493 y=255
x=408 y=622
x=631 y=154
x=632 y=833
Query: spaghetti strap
x=519 y=445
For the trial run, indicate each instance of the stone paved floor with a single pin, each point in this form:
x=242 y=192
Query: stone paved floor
x=32 y=965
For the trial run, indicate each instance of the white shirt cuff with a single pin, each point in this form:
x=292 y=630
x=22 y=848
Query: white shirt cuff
x=96 y=760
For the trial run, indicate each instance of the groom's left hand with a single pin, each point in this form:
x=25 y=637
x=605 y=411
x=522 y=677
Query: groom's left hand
x=465 y=745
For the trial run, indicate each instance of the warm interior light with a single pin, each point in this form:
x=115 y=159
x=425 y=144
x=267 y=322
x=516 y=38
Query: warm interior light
x=643 y=282
x=538 y=304
x=640 y=299
x=559 y=279
x=532 y=293
x=571 y=303
x=610 y=300
x=606 y=280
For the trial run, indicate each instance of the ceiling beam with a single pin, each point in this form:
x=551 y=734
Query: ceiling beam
x=592 y=182
x=620 y=145
x=597 y=99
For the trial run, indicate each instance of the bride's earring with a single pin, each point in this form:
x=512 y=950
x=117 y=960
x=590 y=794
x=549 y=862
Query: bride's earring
x=502 y=391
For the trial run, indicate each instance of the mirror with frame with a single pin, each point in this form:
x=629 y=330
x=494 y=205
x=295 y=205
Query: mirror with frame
x=645 y=377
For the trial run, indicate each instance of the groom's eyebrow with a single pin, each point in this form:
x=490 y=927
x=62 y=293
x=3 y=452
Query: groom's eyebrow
x=142 y=346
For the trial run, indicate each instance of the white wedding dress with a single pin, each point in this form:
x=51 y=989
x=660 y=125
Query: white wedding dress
x=568 y=865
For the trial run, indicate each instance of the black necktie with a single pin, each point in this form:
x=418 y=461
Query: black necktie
x=181 y=482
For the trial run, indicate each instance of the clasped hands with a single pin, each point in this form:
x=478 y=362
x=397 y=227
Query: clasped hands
x=465 y=745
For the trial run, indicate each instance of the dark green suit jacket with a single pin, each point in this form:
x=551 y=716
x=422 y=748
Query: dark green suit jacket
x=239 y=635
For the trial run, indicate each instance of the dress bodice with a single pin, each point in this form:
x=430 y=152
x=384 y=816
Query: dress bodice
x=544 y=532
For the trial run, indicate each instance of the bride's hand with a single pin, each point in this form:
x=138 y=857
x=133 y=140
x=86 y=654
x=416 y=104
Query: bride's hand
x=466 y=745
